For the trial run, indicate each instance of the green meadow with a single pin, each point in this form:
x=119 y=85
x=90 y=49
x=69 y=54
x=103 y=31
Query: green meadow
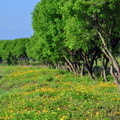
x=41 y=93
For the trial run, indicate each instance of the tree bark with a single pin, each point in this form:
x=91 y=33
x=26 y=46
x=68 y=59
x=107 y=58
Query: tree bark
x=78 y=67
x=112 y=59
x=88 y=62
x=104 y=67
x=68 y=67
x=115 y=78
x=89 y=71
x=115 y=63
x=82 y=70
x=73 y=69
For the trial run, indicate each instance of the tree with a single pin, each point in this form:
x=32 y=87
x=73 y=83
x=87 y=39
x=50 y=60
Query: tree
x=71 y=31
x=48 y=32
x=6 y=52
x=106 y=18
x=80 y=36
x=52 y=35
x=13 y=50
x=19 y=50
x=1 y=49
x=103 y=17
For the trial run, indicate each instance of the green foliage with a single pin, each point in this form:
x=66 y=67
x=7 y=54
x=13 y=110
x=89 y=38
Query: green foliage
x=49 y=78
x=61 y=71
x=12 y=51
x=20 y=48
x=48 y=32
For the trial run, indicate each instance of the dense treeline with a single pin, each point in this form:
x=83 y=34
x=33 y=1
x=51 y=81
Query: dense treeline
x=73 y=35
x=13 y=51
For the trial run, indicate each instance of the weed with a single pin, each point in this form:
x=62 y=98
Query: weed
x=49 y=78
x=42 y=93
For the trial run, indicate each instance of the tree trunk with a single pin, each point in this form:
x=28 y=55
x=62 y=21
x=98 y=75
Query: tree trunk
x=78 y=67
x=112 y=59
x=104 y=67
x=56 y=66
x=89 y=71
x=82 y=70
x=89 y=63
x=113 y=75
x=75 y=65
x=68 y=67
x=104 y=75
x=73 y=69
x=115 y=62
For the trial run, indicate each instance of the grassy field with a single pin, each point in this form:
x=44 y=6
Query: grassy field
x=34 y=93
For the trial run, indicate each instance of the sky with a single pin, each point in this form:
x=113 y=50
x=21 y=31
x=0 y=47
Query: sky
x=16 y=18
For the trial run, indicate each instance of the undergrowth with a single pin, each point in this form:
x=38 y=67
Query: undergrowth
x=34 y=93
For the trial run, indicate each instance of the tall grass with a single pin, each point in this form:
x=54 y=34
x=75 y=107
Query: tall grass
x=34 y=93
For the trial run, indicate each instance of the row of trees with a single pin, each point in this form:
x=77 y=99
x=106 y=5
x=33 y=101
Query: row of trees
x=13 y=51
x=73 y=34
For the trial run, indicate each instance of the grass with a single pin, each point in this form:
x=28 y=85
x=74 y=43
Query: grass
x=34 y=93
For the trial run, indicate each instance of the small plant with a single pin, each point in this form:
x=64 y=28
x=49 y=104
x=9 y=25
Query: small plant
x=61 y=71
x=49 y=78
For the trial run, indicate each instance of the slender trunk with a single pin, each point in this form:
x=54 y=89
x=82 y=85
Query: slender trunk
x=104 y=75
x=89 y=64
x=68 y=67
x=78 y=67
x=114 y=61
x=104 y=67
x=89 y=71
x=73 y=69
x=65 y=66
x=56 y=66
x=94 y=76
x=115 y=79
x=82 y=70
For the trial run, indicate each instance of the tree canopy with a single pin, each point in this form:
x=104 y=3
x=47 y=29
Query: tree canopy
x=72 y=32
x=11 y=51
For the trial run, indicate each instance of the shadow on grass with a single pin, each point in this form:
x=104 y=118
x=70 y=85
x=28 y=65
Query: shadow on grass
x=0 y=77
